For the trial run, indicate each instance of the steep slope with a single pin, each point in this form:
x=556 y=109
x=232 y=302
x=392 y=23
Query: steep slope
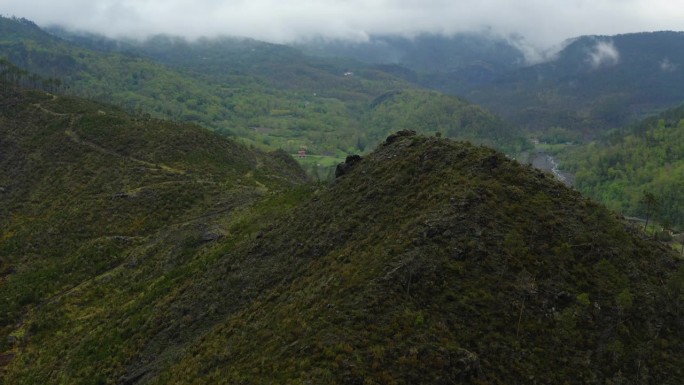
x=83 y=185
x=434 y=262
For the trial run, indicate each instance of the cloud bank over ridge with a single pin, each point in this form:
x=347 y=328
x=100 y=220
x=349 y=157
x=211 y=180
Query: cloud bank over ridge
x=538 y=23
x=604 y=54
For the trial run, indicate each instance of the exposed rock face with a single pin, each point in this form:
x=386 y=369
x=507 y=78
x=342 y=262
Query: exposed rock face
x=403 y=133
x=211 y=236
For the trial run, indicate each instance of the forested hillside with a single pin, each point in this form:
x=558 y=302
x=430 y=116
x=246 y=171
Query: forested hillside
x=433 y=262
x=268 y=95
x=647 y=157
x=592 y=84
x=445 y=62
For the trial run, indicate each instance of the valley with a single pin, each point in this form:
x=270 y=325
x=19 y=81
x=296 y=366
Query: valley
x=549 y=163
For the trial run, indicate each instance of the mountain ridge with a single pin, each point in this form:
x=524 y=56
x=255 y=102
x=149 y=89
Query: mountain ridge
x=595 y=83
x=428 y=261
x=403 y=262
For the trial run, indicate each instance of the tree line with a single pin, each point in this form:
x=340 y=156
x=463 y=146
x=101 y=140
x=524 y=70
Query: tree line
x=16 y=76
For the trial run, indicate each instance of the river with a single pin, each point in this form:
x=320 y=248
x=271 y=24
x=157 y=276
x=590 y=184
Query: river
x=546 y=162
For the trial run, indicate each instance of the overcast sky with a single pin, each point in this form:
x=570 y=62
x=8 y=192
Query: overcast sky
x=543 y=23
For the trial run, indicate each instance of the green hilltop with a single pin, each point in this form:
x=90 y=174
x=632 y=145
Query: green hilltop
x=139 y=251
x=438 y=262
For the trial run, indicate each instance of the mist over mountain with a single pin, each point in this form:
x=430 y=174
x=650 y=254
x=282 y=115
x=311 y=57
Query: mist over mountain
x=426 y=53
x=590 y=84
x=535 y=24
x=596 y=82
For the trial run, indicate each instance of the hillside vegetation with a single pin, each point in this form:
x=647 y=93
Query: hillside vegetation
x=647 y=157
x=435 y=262
x=268 y=95
x=137 y=251
x=87 y=191
x=592 y=84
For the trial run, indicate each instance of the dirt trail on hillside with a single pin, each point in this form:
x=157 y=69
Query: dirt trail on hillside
x=69 y=132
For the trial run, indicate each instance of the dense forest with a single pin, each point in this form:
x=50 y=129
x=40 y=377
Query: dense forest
x=460 y=61
x=11 y=74
x=645 y=158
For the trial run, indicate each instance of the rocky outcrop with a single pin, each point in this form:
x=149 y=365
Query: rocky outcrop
x=348 y=164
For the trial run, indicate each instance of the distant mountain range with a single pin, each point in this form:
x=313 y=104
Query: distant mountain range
x=482 y=56
x=593 y=83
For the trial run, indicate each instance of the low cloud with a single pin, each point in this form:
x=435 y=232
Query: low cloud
x=542 y=23
x=604 y=54
x=535 y=54
x=667 y=66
